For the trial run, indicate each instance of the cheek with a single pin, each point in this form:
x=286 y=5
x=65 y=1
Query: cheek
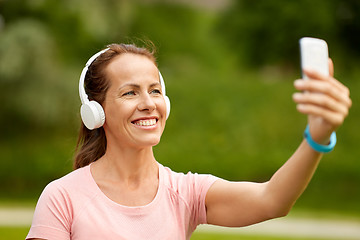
x=116 y=112
x=162 y=107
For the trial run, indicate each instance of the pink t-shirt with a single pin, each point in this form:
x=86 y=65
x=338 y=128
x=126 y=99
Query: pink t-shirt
x=74 y=207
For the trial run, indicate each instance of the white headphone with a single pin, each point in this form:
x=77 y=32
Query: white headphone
x=92 y=113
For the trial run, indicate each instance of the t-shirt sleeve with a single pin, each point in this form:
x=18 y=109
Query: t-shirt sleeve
x=53 y=214
x=199 y=186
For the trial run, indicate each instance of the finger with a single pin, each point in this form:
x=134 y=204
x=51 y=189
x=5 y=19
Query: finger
x=321 y=100
x=314 y=75
x=327 y=88
x=331 y=117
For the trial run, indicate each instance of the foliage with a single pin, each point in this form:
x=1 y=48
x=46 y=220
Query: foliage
x=267 y=32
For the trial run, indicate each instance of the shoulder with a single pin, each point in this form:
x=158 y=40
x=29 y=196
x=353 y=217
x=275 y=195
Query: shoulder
x=73 y=184
x=54 y=212
x=67 y=194
x=187 y=184
x=70 y=180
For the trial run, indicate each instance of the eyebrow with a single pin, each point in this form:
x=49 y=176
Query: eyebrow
x=137 y=85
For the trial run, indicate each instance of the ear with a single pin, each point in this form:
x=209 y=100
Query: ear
x=92 y=115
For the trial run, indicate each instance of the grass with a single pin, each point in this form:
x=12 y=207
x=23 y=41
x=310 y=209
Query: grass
x=15 y=233
x=212 y=236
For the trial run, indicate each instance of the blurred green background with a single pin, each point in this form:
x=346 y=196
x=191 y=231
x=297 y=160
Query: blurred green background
x=229 y=67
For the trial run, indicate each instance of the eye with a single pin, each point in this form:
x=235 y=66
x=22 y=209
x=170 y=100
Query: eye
x=156 y=91
x=130 y=93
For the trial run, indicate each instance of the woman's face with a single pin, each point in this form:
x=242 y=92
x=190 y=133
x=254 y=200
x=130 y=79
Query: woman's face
x=135 y=111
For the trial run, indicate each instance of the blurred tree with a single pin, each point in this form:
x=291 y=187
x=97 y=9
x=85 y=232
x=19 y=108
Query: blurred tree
x=268 y=31
x=348 y=30
x=28 y=76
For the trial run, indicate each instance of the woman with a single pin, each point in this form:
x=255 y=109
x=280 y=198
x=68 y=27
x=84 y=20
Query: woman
x=120 y=191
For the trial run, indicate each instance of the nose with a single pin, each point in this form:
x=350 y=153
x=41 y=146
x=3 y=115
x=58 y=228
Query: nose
x=146 y=103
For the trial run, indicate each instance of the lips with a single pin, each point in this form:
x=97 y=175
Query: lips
x=145 y=122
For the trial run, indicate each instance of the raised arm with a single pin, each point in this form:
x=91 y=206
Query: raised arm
x=326 y=102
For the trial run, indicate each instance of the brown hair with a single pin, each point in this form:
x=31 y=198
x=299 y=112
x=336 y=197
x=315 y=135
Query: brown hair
x=91 y=144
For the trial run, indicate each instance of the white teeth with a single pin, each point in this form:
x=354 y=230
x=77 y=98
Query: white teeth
x=148 y=122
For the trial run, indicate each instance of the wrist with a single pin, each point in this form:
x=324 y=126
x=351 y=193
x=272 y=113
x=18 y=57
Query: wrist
x=317 y=146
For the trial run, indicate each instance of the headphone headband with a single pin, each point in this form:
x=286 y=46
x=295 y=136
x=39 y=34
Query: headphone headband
x=83 y=96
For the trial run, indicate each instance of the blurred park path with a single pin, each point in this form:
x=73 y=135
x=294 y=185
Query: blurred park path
x=16 y=216
x=296 y=227
x=284 y=227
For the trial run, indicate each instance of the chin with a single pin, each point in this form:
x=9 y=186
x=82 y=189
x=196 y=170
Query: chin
x=150 y=142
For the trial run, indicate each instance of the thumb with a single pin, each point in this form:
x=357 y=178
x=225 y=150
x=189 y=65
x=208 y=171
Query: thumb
x=331 y=67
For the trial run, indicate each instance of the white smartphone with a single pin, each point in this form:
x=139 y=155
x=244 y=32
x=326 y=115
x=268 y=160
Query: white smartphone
x=314 y=55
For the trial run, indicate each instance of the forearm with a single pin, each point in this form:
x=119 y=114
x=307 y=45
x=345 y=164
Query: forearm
x=290 y=181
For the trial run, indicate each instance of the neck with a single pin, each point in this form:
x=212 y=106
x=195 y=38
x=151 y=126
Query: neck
x=130 y=165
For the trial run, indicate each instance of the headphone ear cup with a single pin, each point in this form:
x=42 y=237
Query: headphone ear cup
x=167 y=103
x=92 y=115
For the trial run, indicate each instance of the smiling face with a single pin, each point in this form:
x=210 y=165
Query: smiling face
x=134 y=105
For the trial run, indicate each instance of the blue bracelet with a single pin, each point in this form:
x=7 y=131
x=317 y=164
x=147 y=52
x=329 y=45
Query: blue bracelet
x=319 y=147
